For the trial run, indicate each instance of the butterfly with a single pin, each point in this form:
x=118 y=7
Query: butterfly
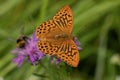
x=55 y=37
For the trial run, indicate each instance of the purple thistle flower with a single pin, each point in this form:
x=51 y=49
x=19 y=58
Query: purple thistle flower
x=55 y=60
x=30 y=51
x=77 y=43
x=18 y=60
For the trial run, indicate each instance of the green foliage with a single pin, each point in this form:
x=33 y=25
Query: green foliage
x=96 y=24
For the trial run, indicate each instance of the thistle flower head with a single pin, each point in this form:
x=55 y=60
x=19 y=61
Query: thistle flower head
x=30 y=51
x=77 y=43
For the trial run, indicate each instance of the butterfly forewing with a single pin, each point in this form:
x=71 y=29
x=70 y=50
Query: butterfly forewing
x=45 y=29
x=64 y=19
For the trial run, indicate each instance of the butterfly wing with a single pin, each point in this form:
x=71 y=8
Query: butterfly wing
x=47 y=47
x=64 y=19
x=62 y=22
x=45 y=34
x=68 y=52
x=47 y=30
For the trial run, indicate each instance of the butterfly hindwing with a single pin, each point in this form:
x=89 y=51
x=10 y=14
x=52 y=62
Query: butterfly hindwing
x=46 y=47
x=69 y=53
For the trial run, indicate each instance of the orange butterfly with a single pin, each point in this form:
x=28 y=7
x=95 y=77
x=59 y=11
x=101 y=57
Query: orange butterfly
x=55 y=37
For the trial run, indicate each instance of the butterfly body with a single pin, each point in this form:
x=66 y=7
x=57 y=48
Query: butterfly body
x=62 y=36
x=55 y=38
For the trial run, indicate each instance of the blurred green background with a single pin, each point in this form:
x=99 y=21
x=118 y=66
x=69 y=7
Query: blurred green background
x=96 y=24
